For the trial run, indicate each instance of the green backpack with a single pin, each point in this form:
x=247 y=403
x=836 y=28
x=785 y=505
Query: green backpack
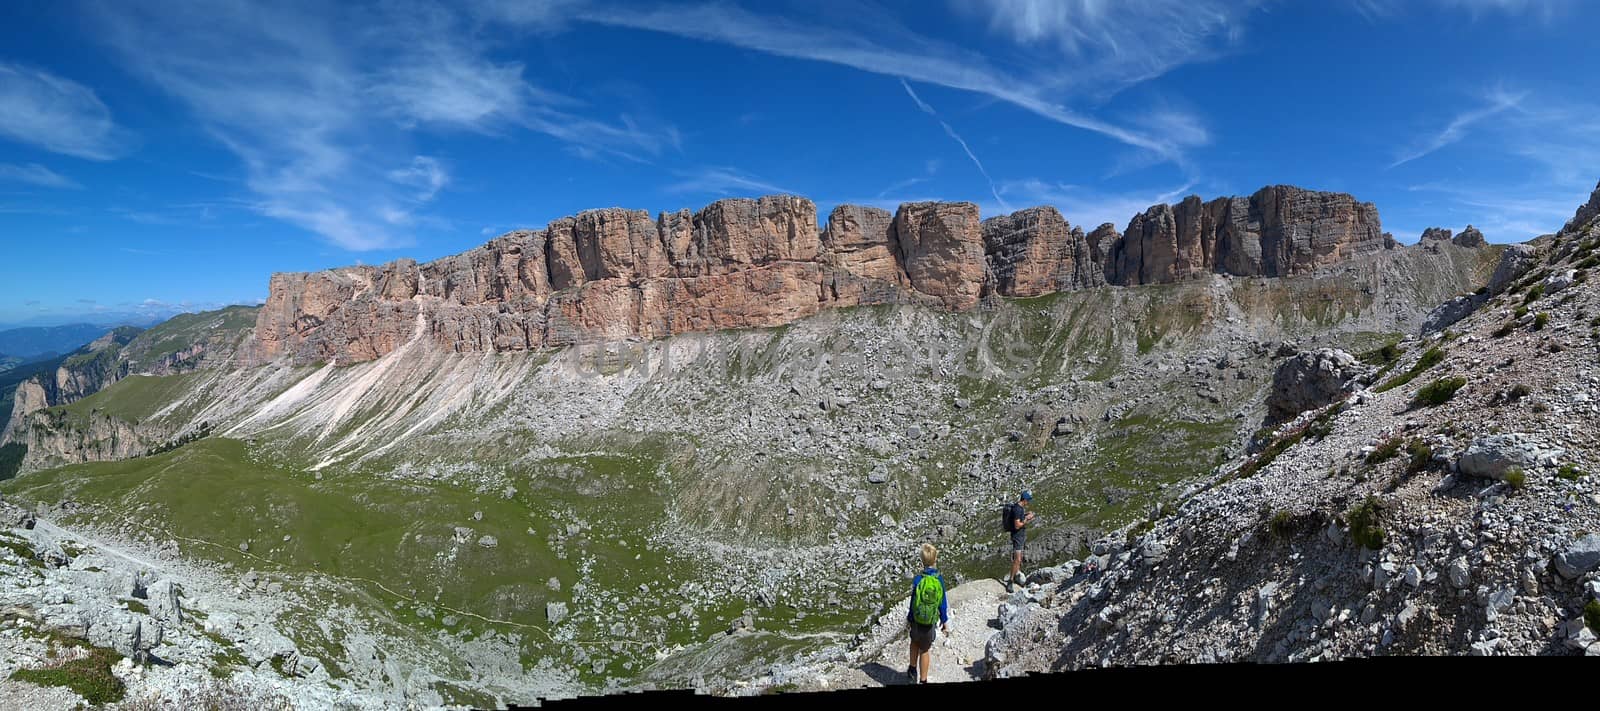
x=926 y=599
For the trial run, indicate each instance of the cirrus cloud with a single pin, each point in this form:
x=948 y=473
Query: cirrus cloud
x=56 y=114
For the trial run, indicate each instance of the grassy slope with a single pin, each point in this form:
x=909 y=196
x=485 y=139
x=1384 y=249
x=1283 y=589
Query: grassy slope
x=401 y=533
x=135 y=398
x=184 y=330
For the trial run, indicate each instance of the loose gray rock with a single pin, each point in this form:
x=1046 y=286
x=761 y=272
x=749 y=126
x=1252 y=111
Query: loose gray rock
x=1491 y=457
x=1459 y=574
x=1313 y=379
x=1579 y=558
x=163 y=595
x=1452 y=311
x=1515 y=260
x=1559 y=282
x=555 y=612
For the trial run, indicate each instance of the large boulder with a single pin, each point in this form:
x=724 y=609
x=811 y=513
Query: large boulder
x=1451 y=311
x=1312 y=379
x=1515 y=260
x=129 y=633
x=1580 y=557
x=1492 y=456
x=163 y=595
x=1559 y=282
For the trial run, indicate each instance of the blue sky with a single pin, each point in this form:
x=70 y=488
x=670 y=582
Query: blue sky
x=158 y=157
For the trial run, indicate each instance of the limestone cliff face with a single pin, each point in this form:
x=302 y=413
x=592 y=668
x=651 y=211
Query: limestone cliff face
x=55 y=439
x=1034 y=252
x=1278 y=231
x=742 y=263
x=84 y=373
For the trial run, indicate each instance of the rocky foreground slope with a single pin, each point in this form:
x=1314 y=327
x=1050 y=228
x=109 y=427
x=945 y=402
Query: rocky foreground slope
x=1450 y=505
x=619 y=274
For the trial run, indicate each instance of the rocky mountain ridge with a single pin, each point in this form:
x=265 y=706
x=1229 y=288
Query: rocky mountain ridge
x=1446 y=506
x=39 y=420
x=85 y=372
x=616 y=274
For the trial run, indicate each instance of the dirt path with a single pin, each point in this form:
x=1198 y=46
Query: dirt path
x=957 y=656
x=60 y=533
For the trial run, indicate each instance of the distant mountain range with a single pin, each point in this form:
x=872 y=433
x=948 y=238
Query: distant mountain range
x=29 y=343
x=104 y=320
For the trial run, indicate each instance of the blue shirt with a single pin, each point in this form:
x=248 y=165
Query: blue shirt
x=944 y=600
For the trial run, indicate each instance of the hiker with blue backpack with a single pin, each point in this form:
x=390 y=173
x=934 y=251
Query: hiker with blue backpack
x=1015 y=519
x=928 y=603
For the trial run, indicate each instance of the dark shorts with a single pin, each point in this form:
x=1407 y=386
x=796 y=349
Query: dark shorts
x=923 y=635
x=1019 y=538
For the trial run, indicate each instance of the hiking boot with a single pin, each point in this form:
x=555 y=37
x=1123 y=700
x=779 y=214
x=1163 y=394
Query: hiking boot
x=911 y=674
x=1008 y=585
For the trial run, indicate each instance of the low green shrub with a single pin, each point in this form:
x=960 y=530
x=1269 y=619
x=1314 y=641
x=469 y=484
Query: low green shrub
x=1516 y=477
x=1431 y=357
x=1540 y=321
x=1385 y=451
x=1389 y=353
x=1439 y=391
x=1365 y=529
x=89 y=676
x=1421 y=456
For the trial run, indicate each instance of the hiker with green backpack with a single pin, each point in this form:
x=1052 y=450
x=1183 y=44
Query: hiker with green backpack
x=928 y=603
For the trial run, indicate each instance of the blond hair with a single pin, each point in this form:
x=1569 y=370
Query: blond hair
x=930 y=555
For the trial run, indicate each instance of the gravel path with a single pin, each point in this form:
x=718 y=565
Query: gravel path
x=957 y=656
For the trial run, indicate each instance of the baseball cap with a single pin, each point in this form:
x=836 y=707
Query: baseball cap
x=1027 y=495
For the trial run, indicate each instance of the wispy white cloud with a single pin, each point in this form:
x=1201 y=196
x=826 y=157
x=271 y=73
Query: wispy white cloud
x=1540 y=10
x=35 y=174
x=1498 y=101
x=425 y=174
x=1546 y=151
x=59 y=115
x=929 y=166
x=1114 y=44
x=951 y=132
x=1504 y=214
x=321 y=103
x=1544 y=10
x=723 y=181
x=1088 y=207
x=902 y=185
x=893 y=50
